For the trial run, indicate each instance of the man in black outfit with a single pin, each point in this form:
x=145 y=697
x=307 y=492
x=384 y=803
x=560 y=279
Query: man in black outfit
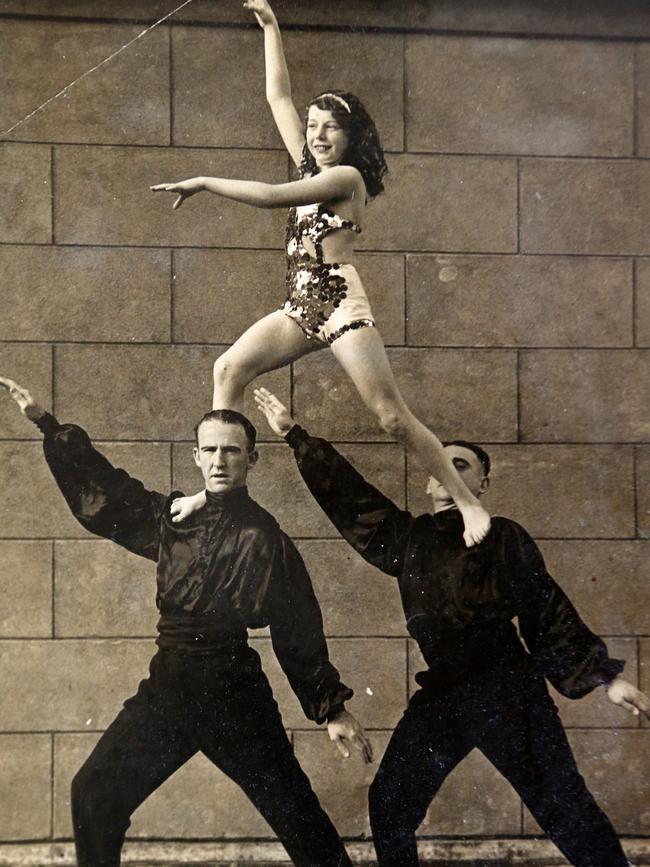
x=481 y=688
x=228 y=568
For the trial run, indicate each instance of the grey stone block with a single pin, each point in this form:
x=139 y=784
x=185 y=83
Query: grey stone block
x=445 y=203
x=81 y=684
x=585 y=206
x=26 y=599
x=25 y=769
x=125 y=101
x=584 y=396
x=25 y=180
x=519 y=301
x=54 y=293
x=355 y=597
x=519 y=96
x=103 y=590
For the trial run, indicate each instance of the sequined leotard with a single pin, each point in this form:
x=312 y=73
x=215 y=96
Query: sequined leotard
x=325 y=298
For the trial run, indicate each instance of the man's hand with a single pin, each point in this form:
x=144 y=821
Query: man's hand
x=343 y=730
x=262 y=11
x=23 y=398
x=185 y=189
x=626 y=695
x=275 y=411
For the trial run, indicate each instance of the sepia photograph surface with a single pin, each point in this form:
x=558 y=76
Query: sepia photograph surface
x=504 y=268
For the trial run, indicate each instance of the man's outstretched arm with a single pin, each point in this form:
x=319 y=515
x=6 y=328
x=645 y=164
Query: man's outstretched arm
x=300 y=646
x=105 y=500
x=368 y=520
x=565 y=650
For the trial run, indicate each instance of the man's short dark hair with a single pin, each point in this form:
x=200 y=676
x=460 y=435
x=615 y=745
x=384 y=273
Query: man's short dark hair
x=230 y=416
x=480 y=453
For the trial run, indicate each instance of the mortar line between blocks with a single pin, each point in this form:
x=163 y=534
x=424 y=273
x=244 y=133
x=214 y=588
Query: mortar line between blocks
x=52 y=178
x=53 y=366
x=52 y=736
x=634 y=303
x=635 y=100
x=518 y=206
x=405 y=94
x=635 y=493
x=518 y=395
x=53 y=588
x=172 y=271
x=170 y=83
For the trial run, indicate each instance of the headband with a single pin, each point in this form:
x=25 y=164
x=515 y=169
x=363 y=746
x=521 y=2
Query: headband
x=338 y=99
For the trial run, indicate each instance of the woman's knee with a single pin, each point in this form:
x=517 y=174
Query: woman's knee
x=395 y=420
x=227 y=371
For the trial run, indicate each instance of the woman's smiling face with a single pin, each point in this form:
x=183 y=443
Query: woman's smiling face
x=326 y=140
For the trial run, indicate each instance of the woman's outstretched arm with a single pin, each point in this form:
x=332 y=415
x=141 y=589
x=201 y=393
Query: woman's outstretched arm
x=340 y=182
x=278 y=83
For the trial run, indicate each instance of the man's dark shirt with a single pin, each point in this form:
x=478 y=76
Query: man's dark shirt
x=226 y=568
x=459 y=602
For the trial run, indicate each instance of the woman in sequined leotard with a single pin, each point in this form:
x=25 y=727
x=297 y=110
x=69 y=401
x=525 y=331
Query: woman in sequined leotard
x=341 y=165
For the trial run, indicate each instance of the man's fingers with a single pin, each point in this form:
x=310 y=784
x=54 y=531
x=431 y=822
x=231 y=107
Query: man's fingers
x=366 y=748
x=178 y=202
x=629 y=706
x=341 y=747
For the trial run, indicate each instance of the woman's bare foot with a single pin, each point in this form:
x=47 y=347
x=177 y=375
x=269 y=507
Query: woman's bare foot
x=477 y=523
x=183 y=507
x=23 y=398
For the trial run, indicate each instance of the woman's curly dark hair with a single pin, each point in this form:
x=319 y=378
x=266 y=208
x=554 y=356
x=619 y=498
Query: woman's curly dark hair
x=364 y=150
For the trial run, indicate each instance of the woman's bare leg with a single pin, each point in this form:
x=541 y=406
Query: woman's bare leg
x=272 y=342
x=362 y=355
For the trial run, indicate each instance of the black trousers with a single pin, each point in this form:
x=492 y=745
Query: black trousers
x=508 y=714
x=190 y=704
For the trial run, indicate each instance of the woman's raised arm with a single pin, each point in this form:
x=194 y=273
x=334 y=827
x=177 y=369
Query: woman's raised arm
x=278 y=84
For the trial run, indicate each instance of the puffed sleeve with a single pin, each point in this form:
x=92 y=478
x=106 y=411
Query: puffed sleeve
x=564 y=649
x=372 y=524
x=298 y=639
x=105 y=500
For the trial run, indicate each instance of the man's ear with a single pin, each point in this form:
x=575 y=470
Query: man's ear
x=195 y=455
x=485 y=484
x=252 y=458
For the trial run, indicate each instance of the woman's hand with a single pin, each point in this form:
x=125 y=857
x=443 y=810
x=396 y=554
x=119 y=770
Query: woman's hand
x=262 y=11
x=185 y=189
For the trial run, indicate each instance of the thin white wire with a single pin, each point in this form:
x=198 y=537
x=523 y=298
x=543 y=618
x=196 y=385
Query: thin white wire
x=88 y=72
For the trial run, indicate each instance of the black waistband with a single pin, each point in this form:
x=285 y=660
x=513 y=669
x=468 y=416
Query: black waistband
x=461 y=655
x=199 y=635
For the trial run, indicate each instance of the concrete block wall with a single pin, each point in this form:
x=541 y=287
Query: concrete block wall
x=508 y=267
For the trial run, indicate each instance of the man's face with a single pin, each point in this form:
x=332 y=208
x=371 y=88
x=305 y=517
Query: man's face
x=222 y=455
x=471 y=471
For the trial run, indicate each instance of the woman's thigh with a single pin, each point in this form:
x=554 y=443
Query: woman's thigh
x=271 y=343
x=362 y=355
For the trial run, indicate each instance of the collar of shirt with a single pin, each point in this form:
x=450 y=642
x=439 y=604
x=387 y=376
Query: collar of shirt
x=230 y=500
